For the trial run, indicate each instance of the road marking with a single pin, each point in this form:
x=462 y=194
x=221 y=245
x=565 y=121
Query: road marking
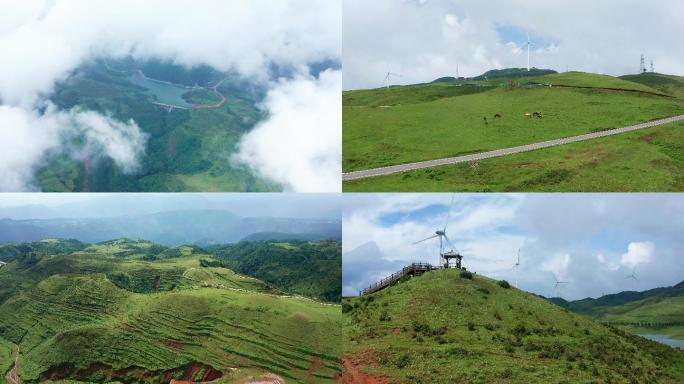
x=384 y=171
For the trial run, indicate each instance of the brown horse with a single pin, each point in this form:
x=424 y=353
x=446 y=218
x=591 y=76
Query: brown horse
x=497 y=116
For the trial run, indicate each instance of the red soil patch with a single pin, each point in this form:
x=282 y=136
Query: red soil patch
x=352 y=373
x=316 y=363
x=648 y=138
x=395 y=331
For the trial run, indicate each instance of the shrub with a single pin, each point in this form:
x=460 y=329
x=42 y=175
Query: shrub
x=466 y=275
x=471 y=326
x=384 y=316
x=346 y=307
x=504 y=284
x=403 y=361
x=483 y=290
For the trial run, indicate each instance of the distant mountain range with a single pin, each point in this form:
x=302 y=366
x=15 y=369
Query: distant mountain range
x=626 y=305
x=171 y=228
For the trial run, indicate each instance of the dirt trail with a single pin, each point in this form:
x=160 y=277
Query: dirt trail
x=352 y=375
x=12 y=376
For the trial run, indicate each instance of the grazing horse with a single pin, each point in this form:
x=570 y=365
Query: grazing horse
x=485 y=120
x=538 y=114
x=497 y=116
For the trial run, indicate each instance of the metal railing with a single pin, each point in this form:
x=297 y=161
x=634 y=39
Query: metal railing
x=409 y=269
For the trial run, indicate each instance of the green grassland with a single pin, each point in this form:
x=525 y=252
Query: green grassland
x=441 y=327
x=657 y=153
x=98 y=315
x=415 y=123
x=187 y=149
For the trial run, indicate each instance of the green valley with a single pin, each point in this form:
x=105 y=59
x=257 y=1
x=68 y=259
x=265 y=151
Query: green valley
x=657 y=311
x=188 y=146
x=454 y=326
x=134 y=311
x=406 y=124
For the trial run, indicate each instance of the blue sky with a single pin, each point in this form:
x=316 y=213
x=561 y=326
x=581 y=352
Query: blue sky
x=591 y=240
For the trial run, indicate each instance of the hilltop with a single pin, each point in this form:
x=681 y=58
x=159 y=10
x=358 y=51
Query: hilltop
x=506 y=73
x=407 y=124
x=132 y=311
x=444 y=327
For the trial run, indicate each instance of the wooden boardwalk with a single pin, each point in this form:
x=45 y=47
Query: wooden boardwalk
x=412 y=270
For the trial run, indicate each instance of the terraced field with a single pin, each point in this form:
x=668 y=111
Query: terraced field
x=97 y=317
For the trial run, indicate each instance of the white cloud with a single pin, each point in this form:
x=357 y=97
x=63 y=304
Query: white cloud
x=424 y=41
x=44 y=41
x=26 y=137
x=638 y=253
x=300 y=144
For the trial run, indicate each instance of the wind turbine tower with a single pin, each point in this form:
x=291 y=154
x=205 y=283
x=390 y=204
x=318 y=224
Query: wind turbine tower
x=388 y=77
x=528 y=52
x=441 y=234
x=652 y=66
x=515 y=268
x=557 y=286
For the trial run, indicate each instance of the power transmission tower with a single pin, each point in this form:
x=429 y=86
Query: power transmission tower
x=642 y=66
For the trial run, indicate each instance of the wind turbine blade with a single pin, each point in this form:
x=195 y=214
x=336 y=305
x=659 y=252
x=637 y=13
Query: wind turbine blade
x=448 y=241
x=426 y=239
x=449 y=212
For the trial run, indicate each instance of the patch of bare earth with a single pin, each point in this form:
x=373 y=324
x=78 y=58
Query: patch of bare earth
x=352 y=373
x=648 y=138
x=267 y=378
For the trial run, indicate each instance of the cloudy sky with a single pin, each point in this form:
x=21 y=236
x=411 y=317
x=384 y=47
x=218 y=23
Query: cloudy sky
x=21 y=206
x=426 y=39
x=592 y=241
x=43 y=41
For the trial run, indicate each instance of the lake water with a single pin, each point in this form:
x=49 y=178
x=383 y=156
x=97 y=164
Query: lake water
x=165 y=93
x=665 y=339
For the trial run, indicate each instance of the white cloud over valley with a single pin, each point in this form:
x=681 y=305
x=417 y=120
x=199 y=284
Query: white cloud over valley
x=42 y=42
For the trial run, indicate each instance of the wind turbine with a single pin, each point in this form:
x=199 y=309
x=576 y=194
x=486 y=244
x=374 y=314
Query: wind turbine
x=558 y=284
x=515 y=268
x=388 y=76
x=441 y=234
x=633 y=275
x=528 y=44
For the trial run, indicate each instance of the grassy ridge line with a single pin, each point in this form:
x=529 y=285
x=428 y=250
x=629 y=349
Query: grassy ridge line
x=442 y=328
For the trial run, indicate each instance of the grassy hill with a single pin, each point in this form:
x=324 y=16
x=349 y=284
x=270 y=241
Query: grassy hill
x=96 y=315
x=657 y=311
x=310 y=268
x=415 y=123
x=442 y=327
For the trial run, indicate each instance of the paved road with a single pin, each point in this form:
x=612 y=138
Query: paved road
x=356 y=175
